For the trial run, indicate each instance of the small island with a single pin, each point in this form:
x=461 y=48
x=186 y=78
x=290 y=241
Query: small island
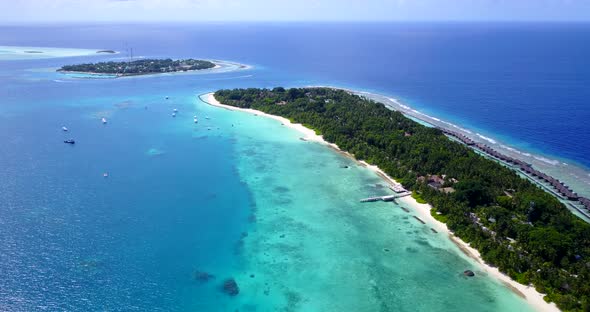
x=139 y=67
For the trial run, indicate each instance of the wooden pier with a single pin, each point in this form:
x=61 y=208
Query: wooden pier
x=386 y=198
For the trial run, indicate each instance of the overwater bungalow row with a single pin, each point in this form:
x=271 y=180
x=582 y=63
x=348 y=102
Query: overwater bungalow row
x=585 y=201
x=558 y=185
x=561 y=188
x=457 y=135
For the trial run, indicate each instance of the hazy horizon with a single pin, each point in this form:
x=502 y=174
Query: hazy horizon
x=142 y=11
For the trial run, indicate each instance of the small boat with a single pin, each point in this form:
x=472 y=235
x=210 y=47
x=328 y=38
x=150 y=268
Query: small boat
x=105 y=175
x=195 y=120
x=173 y=114
x=175 y=110
x=167 y=98
x=104 y=120
x=70 y=141
x=207 y=117
x=64 y=129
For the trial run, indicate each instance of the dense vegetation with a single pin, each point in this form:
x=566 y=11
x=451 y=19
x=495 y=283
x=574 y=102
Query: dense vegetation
x=140 y=67
x=524 y=231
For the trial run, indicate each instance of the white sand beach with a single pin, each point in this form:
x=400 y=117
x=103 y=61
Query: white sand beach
x=8 y=53
x=534 y=298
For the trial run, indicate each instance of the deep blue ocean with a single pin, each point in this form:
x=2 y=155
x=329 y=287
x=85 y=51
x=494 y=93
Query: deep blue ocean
x=174 y=202
x=527 y=83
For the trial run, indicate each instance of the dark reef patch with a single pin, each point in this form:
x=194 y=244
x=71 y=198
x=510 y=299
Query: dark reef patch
x=422 y=242
x=252 y=218
x=230 y=287
x=411 y=250
x=202 y=276
x=281 y=189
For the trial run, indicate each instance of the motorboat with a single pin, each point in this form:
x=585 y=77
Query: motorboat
x=70 y=141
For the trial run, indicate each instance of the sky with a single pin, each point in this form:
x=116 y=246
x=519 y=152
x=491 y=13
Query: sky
x=27 y=11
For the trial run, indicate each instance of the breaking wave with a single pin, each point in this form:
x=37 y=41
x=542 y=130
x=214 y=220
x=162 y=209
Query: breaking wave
x=486 y=138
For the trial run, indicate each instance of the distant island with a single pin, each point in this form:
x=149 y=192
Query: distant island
x=139 y=67
x=517 y=227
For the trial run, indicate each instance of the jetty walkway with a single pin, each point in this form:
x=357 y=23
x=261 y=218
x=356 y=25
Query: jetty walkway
x=386 y=198
x=396 y=187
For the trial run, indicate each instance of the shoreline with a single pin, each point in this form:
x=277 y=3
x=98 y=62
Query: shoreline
x=66 y=72
x=528 y=293
x=575 y=175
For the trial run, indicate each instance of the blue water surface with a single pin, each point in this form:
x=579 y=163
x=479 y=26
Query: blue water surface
x=172 y=204
x=524 y=81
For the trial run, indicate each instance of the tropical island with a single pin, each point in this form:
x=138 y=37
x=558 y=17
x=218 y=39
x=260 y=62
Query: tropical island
x=516 y=226
x=139 y=67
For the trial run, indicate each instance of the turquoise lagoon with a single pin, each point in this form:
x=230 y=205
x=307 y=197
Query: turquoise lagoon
x=236 y=195
x=314 y=247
